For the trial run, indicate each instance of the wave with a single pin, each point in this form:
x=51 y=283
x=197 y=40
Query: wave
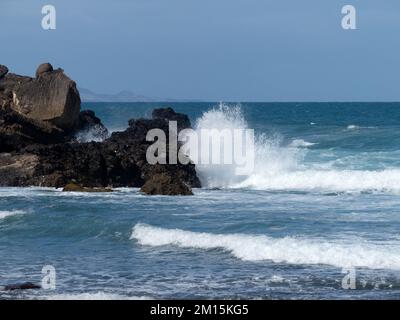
x=300 y=143
x=6 y=214
x=326 y=181
x=281 y=167
x=289 y=250
x=354 y=127
x=95 y=296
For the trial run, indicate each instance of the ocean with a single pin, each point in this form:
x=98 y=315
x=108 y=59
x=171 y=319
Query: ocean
x=317 y=219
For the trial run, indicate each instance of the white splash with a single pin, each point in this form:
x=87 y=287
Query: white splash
x=6 y=214
x=281 y=167
x=95 y=296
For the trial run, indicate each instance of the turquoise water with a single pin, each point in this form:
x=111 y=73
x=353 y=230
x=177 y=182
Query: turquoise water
x=323 y=199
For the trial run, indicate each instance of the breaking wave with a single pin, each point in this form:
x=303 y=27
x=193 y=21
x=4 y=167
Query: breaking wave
x=6 y=214
x=290 y=250
x=280 y=166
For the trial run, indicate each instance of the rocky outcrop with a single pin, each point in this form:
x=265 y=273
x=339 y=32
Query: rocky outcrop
x=44 y=111
x=17 y=169
x=119 y=161
x=169 y=114
x=40 y=146
x=73 y=187
x=18 y=131
x=51 y=97
x=166 y=184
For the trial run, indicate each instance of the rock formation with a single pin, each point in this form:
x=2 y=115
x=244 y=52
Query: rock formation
x=73 y=187
x=40 y=125
x=51 y=97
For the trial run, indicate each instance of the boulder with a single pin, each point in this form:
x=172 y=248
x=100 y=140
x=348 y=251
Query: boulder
x=169 y=114
x=74 y=187
x=44 y=68
x=166 y=184
x=52 y=97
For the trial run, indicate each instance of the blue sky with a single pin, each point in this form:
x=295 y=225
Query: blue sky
x=231 y=50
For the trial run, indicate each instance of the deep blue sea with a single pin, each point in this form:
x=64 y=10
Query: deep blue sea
x=321 y=209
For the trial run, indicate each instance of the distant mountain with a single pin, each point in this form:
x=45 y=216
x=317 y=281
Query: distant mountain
x=124 y=96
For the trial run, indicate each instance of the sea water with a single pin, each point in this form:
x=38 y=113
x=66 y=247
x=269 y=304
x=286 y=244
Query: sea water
x=319 y=211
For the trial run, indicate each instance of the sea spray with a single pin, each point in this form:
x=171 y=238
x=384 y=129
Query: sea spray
x=270 y=156
x=280 y=167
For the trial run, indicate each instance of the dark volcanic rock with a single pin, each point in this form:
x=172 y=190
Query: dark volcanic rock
x=43 y=68
x=17 y=132
x=40 y=141
x=52 y=97
x=21 y=286
x=17 y=170
x=89 y=164
x=166 y=184
x=119 y=161
x=73 y=187
x=170 y=115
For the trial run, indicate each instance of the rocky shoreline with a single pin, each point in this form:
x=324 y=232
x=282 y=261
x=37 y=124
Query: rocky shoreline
x=40 y=123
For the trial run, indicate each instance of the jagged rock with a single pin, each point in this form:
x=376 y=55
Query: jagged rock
x=38 y=120
x=89 y=164
x=3 y=71
x=18 y=131
x=170 y=115
x=73 y=187
x=17 y=170
x=52 y=97
x=22 y=286
x=90 y=128
x=165 y=184
x=43 y=68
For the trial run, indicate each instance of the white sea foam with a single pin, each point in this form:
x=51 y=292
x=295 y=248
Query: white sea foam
x=325 y=180
x=300 y=143
x=6 y=214
x=353 y=127
x=280 y=250
x=95 y=296
x=281 y=167
x=91 y=135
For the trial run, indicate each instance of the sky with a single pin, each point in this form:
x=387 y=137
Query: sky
x=214 y=50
